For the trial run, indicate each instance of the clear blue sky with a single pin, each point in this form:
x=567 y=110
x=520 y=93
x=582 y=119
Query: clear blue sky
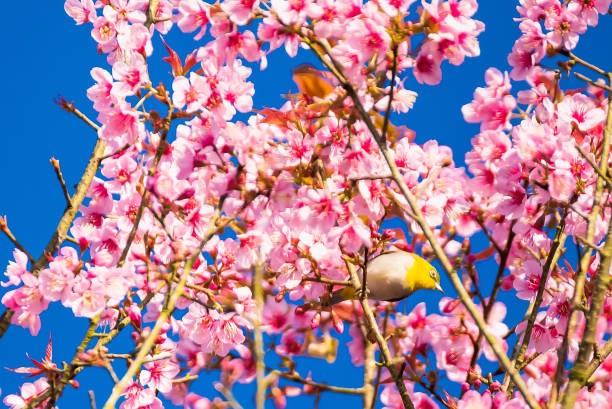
x=45 y=55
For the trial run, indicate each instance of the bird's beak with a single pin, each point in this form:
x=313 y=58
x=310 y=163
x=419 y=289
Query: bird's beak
x=439 y=288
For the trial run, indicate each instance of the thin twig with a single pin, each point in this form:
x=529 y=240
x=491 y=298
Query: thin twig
x=488 y=307
x=164 y=315
x=227 y=394
x=385 y=126
x=593 y=165
x=551 y=260
x=69 y=107
x=369 y=177
x=9 y=234
x=597 y=84
x=584 y=63
x=69 y=373
x=92 y=399
x=604 y=352
x=295 y=377
x=144 y=199
x=60 y=177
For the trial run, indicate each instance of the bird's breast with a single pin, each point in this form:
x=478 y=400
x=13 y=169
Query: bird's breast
x=386 y=277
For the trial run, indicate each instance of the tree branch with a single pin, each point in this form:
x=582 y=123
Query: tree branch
x=65 y=222
x=372 y=326
x=464 y=297
x=258 y=295
x=164 y=315
x=586 y=256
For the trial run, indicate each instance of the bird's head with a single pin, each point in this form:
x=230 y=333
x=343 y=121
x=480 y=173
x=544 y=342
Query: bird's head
x=423 y=276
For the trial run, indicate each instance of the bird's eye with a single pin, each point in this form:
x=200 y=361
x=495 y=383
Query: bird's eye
x=433 y=274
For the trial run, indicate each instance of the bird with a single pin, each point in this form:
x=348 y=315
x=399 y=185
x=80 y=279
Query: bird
x=392 y=276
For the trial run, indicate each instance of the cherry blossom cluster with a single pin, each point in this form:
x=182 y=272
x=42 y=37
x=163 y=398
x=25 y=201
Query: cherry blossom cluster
x=535 y=166
x=548 y=26
x=200 y=190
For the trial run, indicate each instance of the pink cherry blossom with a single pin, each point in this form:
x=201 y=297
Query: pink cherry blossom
x=82 y=11
x=201 y=189
x=159 y=374
x=27 y=392
x=474 y=400
x=193 y=14
x=16 y=269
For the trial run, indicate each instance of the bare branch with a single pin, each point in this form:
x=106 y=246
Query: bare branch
x=69 y=107
x=60 y=177
x=65 y=222
x=295 y=377
x=9 y=234
x=372 y=326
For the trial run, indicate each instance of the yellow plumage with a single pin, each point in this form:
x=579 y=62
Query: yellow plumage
x=393 y=276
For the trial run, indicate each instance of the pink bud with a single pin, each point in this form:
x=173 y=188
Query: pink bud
x=301 y=309
x=450 y=306
x=135 y=315
x=316 y=321
x=83 y=244
x=338 y=323
x=507 y=282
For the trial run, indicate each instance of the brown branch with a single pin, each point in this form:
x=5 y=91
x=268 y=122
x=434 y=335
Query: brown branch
x=594 y=165
x=580 y=372
x=144 y=199
x=488 y=307
x=372 y=325
x=65 y=222
x=295 y=377
x=369 y=374
x=76 y=365
x=576 y=305
x=551 y=260
x=604 y=352
x=60 y=177
x=260 y=369
x=165 y=313
x=586 y=64
x=9 y=234
x=379 y=369
x=597 y=84
x=69 y=107
x=336 y=69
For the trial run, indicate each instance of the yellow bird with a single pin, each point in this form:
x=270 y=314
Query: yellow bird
x=393 y=276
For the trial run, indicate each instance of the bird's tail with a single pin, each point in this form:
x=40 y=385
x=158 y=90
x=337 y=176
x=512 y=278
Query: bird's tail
x=346 y=293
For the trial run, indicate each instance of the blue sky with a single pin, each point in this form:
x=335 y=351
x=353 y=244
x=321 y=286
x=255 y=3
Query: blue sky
x=47 y=56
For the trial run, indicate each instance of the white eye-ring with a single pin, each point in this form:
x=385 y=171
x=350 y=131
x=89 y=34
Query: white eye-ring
x=433 y=274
